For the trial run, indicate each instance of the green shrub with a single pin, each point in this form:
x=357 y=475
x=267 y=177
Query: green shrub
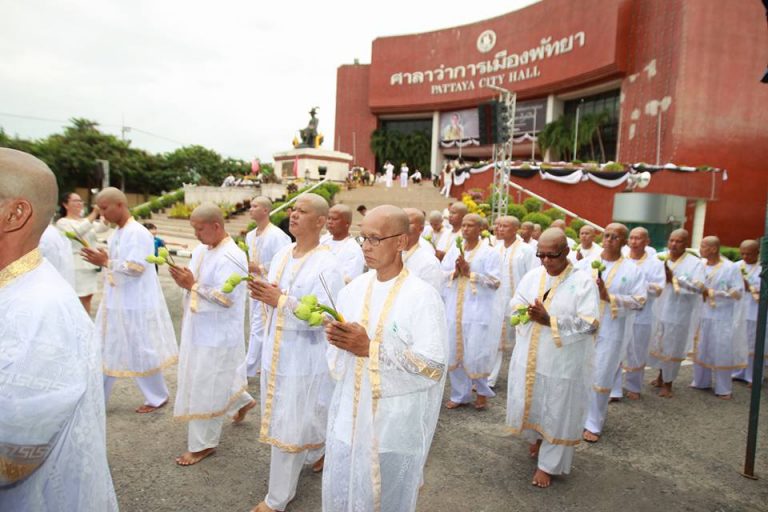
x=181 y=211
x=142 y=212
x=613 y=167
x=732 y=253
x=554 y=213
x=532 y=204
x=570 y=233
x=577 y=224
x=277 y=218
x=517 y=210
x=155 y=204
x=538 y=218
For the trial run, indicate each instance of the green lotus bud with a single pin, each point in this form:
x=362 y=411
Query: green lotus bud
x=227 y=288
x=514 y=320
x=662 y=257
x=303 y=312
x=310 y=300
x=315 y=318
x=160 y=260
x=235 y=279
x=151 y=259
x=596 y=264
x=485 y=234
x=524 y=319
x=521 y=308
x=242 y=246
x=163 y=252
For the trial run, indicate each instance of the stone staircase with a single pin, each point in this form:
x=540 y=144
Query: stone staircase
x=178 y=232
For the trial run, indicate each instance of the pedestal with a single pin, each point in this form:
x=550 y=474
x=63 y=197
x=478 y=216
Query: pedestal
x=313 y=164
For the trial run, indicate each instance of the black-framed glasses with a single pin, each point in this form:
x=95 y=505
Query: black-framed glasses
x=542 y=255
x=373 y=240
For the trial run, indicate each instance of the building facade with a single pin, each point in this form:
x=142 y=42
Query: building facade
x=676 y=81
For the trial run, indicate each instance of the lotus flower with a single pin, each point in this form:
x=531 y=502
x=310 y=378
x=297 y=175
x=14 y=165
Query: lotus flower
x=429 y=238
x=520 y=316
x=460 y=245
x=662 y=257
x=157 y=260
x=232 y=281
x=74 y=236
x=243 y=247
x=598 y=265
x=744 y=272
x=311 y=311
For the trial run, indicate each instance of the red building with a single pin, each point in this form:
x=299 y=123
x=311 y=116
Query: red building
x=676 y=78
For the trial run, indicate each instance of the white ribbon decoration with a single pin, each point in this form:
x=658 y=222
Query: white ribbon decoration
x=608 y=183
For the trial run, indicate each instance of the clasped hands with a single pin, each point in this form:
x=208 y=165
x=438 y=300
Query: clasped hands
x=351 y=337
x=462 y=267
x=538 y=313
x=98 y=257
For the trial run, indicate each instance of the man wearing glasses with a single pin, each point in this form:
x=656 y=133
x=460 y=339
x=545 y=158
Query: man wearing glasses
x=622 y=292
x=549 y=373
x=389 y=358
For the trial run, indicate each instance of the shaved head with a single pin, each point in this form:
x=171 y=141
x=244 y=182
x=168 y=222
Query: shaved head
x=459 y=207
x=343 y=210
x=316 y=203
x=473 y=217
x=711 y=241
x=749 y=245
x=262 y=201
x=749 y=250
x=619 y=228
x=209 y=213
x=680 y=233
x=435 y=216
x=111 y=195
x=640 y=232
x=27 y=184
x=510 y=219
x=558 y=223
x=392 y=219
x=555 y=237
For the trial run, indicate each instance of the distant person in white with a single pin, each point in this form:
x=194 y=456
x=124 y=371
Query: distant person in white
x=419 y=259
x=56 y=249
x=52 y=427
x=389 y=170
x=404 y=176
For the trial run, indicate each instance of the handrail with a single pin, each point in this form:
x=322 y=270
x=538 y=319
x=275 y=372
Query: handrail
x=291 y=201
x=567 y=212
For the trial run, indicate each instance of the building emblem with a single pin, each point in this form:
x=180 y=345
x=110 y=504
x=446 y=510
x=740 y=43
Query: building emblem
x=486 y=41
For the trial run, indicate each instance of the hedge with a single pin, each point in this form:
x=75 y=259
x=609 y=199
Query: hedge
x=538 y=218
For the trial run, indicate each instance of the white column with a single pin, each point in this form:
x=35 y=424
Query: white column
x=699 y=215
x=433 y=164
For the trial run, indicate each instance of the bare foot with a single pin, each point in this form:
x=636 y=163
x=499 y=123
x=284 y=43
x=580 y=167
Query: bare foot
x=453 y=405
x=481 y=402
x=144 y=409
x=240 y=415
x=631 y=395
x=725 y=397
x=317 y=467
x=263 y=507
x=666 y=391
x=189 y=458
x=614 y=399
x=590 y=437
x=541 y=479
x=657 y=382
x=533 y=449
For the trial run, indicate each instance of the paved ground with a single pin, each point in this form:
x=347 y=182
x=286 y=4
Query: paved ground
x=682 y=454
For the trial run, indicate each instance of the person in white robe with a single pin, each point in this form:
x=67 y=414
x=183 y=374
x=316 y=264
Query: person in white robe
x=52 y=424
x=750 y=268
x=560 y=224
x=86 y=275
x=262 y=242
x=720 y=346
x=517 y=259
x=447 y=180
x=636 y=354
x=473 y=276
x=389 y=359
x=419 y=260
x=133 y=325
x=389 y=170
x=349 y=255
x=212 y=378
x=676 y=311
x=404 y=175
x=295 y=382
x=550 y=370
x=437 y=233
x=587 y=248
x=526 y=233
x=456 y=213
x=622 y=291
x=55 y=247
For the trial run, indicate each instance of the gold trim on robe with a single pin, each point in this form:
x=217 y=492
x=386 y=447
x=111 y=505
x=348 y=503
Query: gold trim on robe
x=21 y=266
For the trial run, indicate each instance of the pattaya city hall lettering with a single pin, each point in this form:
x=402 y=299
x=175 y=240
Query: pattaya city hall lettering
x=503 y=68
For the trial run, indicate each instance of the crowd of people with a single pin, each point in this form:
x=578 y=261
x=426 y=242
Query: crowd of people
x=351 y=339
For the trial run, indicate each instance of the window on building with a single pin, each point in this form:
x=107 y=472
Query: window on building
x=605 y=102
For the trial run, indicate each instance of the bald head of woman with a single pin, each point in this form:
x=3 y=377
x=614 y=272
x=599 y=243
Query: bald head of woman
x=209 y=213
x=28 y=193
x=208 y=222
x=314 y=202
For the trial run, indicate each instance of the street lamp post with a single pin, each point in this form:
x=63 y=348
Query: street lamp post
x=576 y=130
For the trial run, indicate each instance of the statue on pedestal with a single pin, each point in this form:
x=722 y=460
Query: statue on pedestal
x=310 y=137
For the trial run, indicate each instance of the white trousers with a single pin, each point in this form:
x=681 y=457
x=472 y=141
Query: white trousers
x=153 y=387
x=461 y=386
x=702 y=378
x=284 y=471
x=669 y=370
x=598 y=408
x=253 y=358
x=446 y=190
x=633 y=381
x=203 y=434
x=496 y=369
x=554 y=459
x=617 y=390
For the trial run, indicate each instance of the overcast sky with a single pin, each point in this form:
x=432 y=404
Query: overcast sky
x=238 y=76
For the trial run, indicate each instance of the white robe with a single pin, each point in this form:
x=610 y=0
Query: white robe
x=550 y=370
x=627 y=294
x=749 y=301
x=295 y=384
x=652 y=271
x=676 y=315
x=56 y=248
x=385 y=407
x=348 y=254
x=52 y=427
x=262 y=247
x=469 y=303
x=422 y=263
x=721 y=342
x=133 y=326
x=86 y=276
x=388 y=170
x=211 y=370
x=591 y=254
x=516 y=261
x=404 y=176
x=445 y=239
